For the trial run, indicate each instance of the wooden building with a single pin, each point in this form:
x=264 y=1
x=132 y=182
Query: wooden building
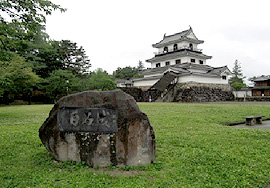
x=261 y=86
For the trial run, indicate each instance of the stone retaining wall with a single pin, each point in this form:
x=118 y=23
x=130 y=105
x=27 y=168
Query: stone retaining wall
x=198 y=92
x=141 y=95
x=184 y=92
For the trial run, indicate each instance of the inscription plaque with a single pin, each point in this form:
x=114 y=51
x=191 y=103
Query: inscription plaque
x=79 y=119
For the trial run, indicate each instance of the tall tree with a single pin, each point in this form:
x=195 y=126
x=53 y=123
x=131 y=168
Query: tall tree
x=71 y=56
x=237 y=80
x=140 y=66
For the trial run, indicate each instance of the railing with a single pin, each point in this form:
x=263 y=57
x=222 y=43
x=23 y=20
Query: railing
x=174 y=50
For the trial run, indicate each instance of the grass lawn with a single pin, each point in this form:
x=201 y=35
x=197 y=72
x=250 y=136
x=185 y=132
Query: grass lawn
x=193 y=150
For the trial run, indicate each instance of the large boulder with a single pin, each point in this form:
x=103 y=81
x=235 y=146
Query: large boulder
x=101 y=128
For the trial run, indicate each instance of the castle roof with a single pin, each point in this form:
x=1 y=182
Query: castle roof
x=188 y=68
x=177 y=37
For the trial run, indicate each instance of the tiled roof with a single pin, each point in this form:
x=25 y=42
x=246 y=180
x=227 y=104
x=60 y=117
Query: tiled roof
x=262 y=78
x=177 y=55
x=218 y=70
x=148 y=78
x=196 y=66
x=182 y=70
x=187 y=68
x=176 y=37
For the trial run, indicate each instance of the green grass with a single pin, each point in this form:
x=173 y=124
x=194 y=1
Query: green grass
x=193 y=150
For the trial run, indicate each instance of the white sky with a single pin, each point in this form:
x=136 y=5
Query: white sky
x=119 y=33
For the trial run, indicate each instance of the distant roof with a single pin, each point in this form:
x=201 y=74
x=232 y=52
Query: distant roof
x=178 y=54
x=176 y=38
x=261 y=78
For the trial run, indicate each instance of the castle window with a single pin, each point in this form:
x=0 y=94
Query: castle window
x=158 y=65
x=192 y=60
x=201 y=62
x=178 y=61
x=224 y=77
x=167 y=63
x=175 y=47
x=191 y=46
x=165 y=49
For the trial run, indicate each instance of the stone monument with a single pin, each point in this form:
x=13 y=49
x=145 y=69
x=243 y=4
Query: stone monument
x=102 y=128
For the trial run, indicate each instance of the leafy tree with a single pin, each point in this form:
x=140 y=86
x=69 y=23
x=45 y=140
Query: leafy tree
x=26 y=51
x=237 y=80
x=16 y=78
x=22 y=20
x=53 y=55
x=28 y=12
x=71 y=57
x=126 y=73
x=58 y=84
x=101 y=80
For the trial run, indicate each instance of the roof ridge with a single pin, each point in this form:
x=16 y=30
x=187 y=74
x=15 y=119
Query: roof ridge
x=178 y=33
x=220 y=67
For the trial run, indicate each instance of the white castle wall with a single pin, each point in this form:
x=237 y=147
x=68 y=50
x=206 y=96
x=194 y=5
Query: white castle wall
x=143 y=83
x=202 y=79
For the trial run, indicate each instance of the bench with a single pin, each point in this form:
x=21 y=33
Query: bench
x=251 y=120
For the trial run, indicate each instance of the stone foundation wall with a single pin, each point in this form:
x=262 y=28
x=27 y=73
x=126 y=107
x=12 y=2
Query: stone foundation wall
x=140 y=95
x=184 y=92
x=198 y=92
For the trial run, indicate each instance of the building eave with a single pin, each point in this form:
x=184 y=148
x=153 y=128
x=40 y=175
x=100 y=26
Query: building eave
x=147 y=78
x=160 y=45
x=179 y=54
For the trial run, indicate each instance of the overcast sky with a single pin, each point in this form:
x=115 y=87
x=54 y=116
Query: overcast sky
x=119 y=33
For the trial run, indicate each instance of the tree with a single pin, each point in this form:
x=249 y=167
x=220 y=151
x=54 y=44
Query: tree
x=28 y=12
x=237 y=80
x=101 y=80
x=27 y=53
x=53 y=55
x=23 y=18
x=16 y=78
x=126 y=73
x=58 y=84
x=71 y=56
x=140 y=66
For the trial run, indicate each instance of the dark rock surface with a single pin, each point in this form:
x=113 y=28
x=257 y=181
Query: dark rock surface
x=100 y=128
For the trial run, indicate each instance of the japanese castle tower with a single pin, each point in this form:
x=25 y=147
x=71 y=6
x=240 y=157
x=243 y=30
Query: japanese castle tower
x=178 y=60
